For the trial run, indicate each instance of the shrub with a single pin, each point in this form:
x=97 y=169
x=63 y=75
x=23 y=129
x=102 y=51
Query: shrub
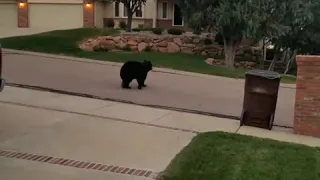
x=136 y=29
x=175 y=31
x=197 y=31
x=140 y=26
x=122 y=25
x=110 y=23
x=146 y=29
x=157 y=31
x=219 y=39
x=207 y=41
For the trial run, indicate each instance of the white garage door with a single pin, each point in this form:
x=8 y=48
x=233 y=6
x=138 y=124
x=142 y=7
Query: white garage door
x=56 y=16
x=8 y=15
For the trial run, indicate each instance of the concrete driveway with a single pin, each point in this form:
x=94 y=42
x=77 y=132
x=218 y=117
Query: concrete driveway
x=206 y=94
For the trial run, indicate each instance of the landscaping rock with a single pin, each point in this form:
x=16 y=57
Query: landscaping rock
x=173 y=47
x=110 y=44
x=134 y=48
x=187 y=48
x=142 y=46
x=121 y=45
x=163 y=43
x=210 y=61
x=190 y=44
x=117 y=39
x=204 y=53
x=132 y=42
x=163 y=50
x=177 y=41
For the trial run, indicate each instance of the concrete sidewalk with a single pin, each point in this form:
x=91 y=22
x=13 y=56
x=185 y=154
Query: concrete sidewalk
x=166 y=88
x=100 y=134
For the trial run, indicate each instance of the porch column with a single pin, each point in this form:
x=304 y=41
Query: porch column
x=155 y=9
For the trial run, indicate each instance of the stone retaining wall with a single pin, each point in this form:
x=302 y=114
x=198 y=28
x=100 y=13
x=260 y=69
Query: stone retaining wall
x=165 y=44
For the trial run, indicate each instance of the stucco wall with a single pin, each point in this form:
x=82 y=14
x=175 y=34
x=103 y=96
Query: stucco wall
x=99 y=14
x=57 y=1
x=8 y=14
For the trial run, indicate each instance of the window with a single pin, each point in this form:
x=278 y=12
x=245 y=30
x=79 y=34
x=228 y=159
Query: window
x=164 y=10
x=121 y=11
x=116 y=9
x=139 y=11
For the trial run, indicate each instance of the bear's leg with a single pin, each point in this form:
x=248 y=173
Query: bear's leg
x=140 y=83
x=125 y=84
x=143 y=80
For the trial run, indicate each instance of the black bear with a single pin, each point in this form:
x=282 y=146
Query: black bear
x=135 y=70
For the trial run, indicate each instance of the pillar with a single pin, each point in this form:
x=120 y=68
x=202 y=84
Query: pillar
x=23 y=13
x=307 y=106
x=155 y=13
x=88 y=13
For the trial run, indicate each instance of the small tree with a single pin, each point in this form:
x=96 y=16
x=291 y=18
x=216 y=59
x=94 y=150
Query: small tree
x=131 y=6
x=233 y=19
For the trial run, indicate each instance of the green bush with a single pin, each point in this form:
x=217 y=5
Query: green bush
x=136 y=29
x=157 y=31
x=110 y=23
x=140 y=26
x=219 y=39
x=122 y=25
x=146 y=29
x=174 y=31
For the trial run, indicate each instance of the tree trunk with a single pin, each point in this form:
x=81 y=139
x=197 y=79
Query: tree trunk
x=229 y=53
x=264 y=55
x=289 y=63
x=129 y=21
x=275 y=58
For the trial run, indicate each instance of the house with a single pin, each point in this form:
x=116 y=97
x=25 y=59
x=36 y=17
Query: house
x=67 y=14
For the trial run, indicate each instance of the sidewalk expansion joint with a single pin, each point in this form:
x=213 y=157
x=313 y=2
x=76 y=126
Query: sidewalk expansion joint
x=103 y=117
x=79 y=164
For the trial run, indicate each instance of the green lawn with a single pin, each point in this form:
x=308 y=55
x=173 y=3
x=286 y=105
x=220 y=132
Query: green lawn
x=64 y=42
x=224 y=156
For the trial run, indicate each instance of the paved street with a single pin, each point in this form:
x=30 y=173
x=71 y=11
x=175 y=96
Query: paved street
x=208 y=94
x=55 y=136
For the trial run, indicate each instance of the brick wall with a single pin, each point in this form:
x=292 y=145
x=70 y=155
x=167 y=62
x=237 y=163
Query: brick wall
x=307 y=106
x=88 y=14
x=148 y=23
x=23 y=14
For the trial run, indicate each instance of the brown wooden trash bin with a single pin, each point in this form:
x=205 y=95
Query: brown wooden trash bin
x=260 y=98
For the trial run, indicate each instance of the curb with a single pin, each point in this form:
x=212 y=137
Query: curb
x=156 y=69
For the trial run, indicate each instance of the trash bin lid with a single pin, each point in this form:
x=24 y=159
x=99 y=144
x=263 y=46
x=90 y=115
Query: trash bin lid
x=264 y=73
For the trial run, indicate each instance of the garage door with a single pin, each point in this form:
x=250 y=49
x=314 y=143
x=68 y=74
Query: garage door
x=8 y=15
x=56 y=16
